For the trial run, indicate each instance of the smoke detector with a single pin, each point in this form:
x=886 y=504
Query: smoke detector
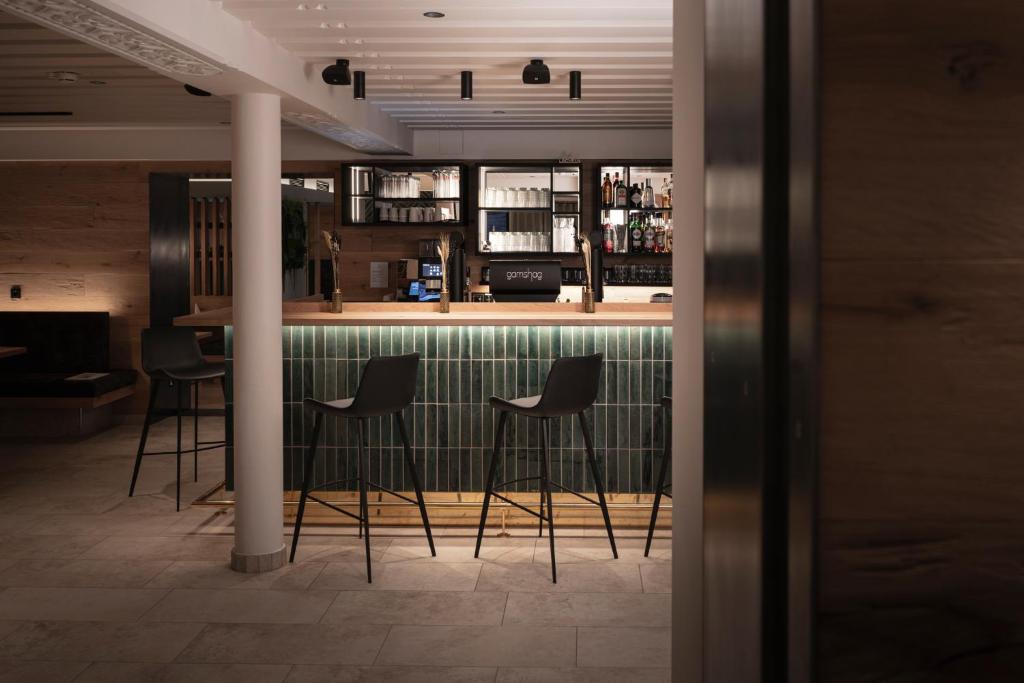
x=63 y=76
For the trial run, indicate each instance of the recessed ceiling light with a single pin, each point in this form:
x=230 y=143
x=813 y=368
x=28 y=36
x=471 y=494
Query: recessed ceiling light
x=324 y=24
x=342 y=41
x=98 y=82
x=340 y=24
x=433 y=15
x=63 y=76
x=497 y=111
x=302 y=7
x=358 y=41
x=320 y=7
x=373 y=55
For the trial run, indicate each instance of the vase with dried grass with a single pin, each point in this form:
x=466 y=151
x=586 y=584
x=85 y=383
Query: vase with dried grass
x=444 y=250
x=333 y=243
x=588 y=285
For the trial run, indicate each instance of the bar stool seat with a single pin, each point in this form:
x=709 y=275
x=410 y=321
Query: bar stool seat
x=570 y=388
x=387 y=387
x=196 y=373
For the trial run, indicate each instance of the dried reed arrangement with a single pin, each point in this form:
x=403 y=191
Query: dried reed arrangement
x=444 y=249
x=584 y=246
x=334 y=246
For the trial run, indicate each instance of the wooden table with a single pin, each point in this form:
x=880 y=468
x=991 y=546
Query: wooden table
x=8 y=351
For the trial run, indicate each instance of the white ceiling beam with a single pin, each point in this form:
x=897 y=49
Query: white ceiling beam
x=196 y=41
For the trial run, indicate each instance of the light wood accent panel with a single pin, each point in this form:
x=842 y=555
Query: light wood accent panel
x=923 y=283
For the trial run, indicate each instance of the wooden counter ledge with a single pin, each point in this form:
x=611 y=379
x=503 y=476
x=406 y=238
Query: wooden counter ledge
x=384 y=313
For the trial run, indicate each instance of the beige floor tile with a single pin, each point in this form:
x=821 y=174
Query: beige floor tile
x=184 y=673
x=82 y=573
x=588 y=609
x=461 y=550
x=40 y=672
x=479 y=646
x=162 y=548
x=218 y=574
x=329 y=644
x=657 y=577
x=417 y=607
x=390 y=674
x=43 y=547
x=571 y=550
x=584 y=675
x=240 y=607
x=106 y=524
x=600 y=577
x=77 y=604
x=338 y=549
x=97 y=641
x=423 y=576
x=625 y=647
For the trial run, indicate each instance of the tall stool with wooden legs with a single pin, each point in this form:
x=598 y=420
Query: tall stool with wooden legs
x=171 y=355
x=571 y=388
x=386 y=387
x=661 y=488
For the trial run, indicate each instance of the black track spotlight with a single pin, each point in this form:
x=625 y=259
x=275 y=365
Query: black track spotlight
x=536 y=73
x=359 y=87
x=193 y=90
x=337 y=73
x=467 y=85
x=575 y=85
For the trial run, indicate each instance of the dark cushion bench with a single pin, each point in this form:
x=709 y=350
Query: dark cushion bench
x=59 y=346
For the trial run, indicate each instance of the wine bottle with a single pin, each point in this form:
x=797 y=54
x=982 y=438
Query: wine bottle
x=606 y=192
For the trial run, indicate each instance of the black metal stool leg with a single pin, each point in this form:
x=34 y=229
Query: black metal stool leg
x=415 y=479
x=545 y=492
x=598 y=482
x=307 y=480
x=153 y=385
x=177 y=495
x=195 y=433
x=364 y=507
x=499 y=441
x=658 y=491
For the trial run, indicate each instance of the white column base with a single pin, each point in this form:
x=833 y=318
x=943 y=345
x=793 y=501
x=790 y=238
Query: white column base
x=257 y=564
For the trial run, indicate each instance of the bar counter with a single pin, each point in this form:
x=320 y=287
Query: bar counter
x=477 y=350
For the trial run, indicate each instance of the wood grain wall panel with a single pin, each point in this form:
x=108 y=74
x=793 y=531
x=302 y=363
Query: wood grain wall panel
x=922 y=341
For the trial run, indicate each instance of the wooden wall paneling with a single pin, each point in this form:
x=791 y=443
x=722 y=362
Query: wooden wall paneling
x=922 y=287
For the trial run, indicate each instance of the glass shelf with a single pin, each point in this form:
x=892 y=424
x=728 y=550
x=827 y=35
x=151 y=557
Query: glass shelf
x=400 y=194
x=528 y=209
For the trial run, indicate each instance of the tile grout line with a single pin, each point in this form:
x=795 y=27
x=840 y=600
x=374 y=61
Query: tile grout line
x=382 y=643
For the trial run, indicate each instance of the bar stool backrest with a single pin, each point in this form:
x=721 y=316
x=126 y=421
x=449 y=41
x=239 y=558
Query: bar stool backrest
x=388 y=385
x=167 y=348
x=571 y=385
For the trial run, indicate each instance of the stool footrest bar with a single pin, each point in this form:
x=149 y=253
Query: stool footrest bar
x=575 y=493
x=521 y=507
x=513 y=481
x=334 y=507
x=393 y=493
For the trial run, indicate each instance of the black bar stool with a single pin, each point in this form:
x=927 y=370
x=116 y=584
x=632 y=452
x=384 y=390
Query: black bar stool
x=571 y=388
x=171 y=355
x=387 y=386
x=661 y=488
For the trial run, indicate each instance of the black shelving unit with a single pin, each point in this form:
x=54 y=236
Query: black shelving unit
x=364 y=204
x=629 y=170
x=492 y=211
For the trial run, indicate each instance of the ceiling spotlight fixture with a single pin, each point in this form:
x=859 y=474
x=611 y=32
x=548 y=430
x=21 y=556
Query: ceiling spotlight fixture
x=433 y=15
x=359 y=90
x=467 y=85
x=337 y=73
x=193 y=90
x=63 y=76
x=536 y=73
x=575 y=85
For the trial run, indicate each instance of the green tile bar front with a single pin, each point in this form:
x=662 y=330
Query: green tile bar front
x=450 y=422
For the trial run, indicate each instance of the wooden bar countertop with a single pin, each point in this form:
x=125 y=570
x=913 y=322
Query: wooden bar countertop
x=391 y=313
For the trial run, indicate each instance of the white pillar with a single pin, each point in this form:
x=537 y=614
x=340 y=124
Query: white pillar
x=257 y=388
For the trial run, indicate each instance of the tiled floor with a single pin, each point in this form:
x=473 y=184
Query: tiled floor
x=97 y=587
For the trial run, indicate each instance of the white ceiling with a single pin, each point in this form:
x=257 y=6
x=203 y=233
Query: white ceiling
x=412 y=63
x=129 y=93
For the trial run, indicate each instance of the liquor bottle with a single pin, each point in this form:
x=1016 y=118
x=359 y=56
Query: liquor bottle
x=659 y=237
x=648 y=198
x=636 y=236
x=636 y=197
x=615 y=186
x=668 y=236
x=609 y=238
x=621 y=192
x=648 y=236
x=606 y=192
x=669 y=205
x=666 y=200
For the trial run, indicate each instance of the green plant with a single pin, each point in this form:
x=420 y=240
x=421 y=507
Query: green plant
x=293 y=235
